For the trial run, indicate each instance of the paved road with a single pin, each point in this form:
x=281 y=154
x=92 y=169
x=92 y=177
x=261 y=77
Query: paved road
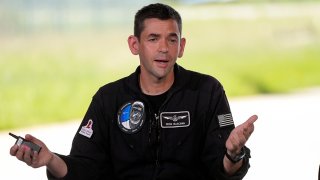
x=285 y=144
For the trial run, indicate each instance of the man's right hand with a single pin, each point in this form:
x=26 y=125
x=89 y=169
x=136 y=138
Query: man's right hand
x=53 y=162
x=33 y=159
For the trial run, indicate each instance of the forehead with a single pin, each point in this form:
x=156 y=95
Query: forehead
x=157 y=26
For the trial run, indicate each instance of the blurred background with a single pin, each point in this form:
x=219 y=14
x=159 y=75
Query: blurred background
x=55 y=54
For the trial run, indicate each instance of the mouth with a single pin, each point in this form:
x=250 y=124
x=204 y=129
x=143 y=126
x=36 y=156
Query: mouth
x=161 y=63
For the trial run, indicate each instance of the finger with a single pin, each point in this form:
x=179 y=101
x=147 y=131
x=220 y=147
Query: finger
x=247 y=131
x=236 y=140
x=248 y=126
x=20 y=153
x=237 y=144
x=34 y=160
x=14 y=149
x=27 y=155
x=251 y=120
x=35 y=157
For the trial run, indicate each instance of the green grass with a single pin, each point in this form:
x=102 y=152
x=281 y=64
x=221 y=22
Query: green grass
x=51 y=77
x=257 y=54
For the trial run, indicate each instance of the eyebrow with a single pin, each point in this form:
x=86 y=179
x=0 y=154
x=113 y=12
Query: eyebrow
x=154 y=35
x=174 y=35
x=158 y=35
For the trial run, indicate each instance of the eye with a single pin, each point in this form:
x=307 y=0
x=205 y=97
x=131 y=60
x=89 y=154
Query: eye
x=152 y=39
x=173 y=40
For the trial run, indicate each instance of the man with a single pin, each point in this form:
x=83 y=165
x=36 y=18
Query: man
x=161 y=122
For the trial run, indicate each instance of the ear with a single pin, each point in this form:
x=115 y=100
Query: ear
x=182 y=45
x=133 y=44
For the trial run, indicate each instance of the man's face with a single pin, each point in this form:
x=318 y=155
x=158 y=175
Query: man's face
x=159 y=47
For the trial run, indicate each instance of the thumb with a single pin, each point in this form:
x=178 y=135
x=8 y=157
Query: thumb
x=31 y=138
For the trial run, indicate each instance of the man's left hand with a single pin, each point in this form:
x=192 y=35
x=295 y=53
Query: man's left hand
x=240 y=135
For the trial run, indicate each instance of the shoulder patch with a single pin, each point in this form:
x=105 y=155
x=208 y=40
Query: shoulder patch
x=87 y=129
x=225 y=120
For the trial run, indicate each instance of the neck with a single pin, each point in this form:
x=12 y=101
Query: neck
x=150 y=86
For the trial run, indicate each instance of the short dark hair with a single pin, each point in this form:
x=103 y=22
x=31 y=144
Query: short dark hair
x=159 y=11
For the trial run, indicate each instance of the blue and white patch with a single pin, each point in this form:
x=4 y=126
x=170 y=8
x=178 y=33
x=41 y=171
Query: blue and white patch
x=175 y=119
x=87 y=129
x=225 y=120
x=131 y=117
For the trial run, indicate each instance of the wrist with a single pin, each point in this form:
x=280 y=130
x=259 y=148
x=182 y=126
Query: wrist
x=233 y=153
x=56 y=166
x=236 y=156
x=50 y=159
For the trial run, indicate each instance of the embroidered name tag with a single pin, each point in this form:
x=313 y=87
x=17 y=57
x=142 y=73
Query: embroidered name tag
x=175 y=119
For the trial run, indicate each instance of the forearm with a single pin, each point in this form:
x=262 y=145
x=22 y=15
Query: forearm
x=57 y=167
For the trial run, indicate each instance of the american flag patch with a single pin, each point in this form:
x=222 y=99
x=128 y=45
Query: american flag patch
x=225 y=120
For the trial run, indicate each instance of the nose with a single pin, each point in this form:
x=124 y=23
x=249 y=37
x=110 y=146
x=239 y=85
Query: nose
x=163 y=46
